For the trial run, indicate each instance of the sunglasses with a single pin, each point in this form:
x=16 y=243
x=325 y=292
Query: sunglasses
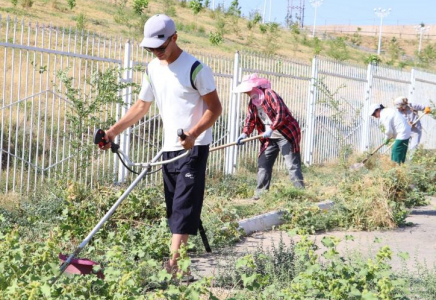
x=161 y=48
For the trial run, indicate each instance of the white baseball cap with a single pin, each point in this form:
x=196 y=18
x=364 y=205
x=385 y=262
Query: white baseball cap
x=374 y=107
x=400 y=101
x=157 y=30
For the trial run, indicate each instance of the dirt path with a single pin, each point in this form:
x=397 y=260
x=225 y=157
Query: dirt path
x=418 y=240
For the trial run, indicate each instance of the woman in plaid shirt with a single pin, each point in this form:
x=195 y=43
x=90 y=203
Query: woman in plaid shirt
x=281 y=133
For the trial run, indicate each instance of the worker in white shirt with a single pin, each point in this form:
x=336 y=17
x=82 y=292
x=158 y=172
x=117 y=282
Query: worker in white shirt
x=396 y=127
x=410 y=112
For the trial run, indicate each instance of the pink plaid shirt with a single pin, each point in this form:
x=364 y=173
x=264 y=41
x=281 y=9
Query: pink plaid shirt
x=280 y=116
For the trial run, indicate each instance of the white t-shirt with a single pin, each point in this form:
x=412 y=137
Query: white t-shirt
x=395 y=124
x=180 y=105
x=267 y=122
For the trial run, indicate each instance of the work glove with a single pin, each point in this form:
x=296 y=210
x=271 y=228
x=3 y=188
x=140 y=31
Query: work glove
x=267 y=133
x=241 y=137
x=427 y=110
x=387 y=141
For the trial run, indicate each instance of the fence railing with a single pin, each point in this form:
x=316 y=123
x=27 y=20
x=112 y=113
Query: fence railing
x=329 y=99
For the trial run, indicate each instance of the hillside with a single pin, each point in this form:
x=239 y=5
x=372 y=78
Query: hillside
x=227 y=31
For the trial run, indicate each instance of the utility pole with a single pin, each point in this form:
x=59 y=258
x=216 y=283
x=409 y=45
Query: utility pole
x=381 y=13
x=270 y=8
x=295 y=13
x=421 y=29
x=315 y=4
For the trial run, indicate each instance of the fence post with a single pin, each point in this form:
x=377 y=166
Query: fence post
x=231 y=152
x=411 y=96
x=365 y=144
x=310 y=116
x=127 y=99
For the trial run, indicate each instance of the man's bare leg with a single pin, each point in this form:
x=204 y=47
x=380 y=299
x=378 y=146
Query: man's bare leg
x=176 y=241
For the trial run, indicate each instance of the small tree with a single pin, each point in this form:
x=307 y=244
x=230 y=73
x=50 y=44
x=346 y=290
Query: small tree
x=372 y=59
x=215 y=38
x=234 y=9
x=139 y=6
x=271 y=45
x=317 y=46
x=338 y=49
x=81 y=22
x=27 y=3
x=394 y=50
x=85 y=109
x=122 y=17
x=356 y=39
x=196 y=6
x=71 y=4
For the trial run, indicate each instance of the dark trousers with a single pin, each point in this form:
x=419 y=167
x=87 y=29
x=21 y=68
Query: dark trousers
x=184 y=182
x=267 y=159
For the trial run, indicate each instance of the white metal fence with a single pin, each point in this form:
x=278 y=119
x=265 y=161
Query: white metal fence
x=330 y=100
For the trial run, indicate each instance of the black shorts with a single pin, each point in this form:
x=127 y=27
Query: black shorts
x=184 y=182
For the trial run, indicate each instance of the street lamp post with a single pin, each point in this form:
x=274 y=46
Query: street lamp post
x=421 y=29
x=381 y=13
x=315 y=4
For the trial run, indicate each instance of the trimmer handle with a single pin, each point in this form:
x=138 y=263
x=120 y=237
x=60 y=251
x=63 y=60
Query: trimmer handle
x=100 y=141
x=181 y=134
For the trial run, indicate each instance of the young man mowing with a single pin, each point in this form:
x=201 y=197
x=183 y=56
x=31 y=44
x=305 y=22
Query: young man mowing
x=184 y=91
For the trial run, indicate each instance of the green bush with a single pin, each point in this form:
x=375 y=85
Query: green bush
x=196 y=6
x=27 y=3
x=81 y=22
x=71 y=4
x=215 y=38
x=296 y=272
x=139 y=6
x=338 y=49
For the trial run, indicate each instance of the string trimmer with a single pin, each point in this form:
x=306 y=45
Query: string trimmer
x=98 y=139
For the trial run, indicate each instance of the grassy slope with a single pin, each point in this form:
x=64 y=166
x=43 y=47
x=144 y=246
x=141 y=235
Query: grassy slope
x=100 y=18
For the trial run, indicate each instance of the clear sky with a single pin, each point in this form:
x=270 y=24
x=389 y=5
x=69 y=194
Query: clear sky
x=354 y=12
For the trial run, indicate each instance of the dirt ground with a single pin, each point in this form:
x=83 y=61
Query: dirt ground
x=418 y=240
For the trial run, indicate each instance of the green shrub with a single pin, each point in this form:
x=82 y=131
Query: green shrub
x=27 y=3
x=338 y=49
x=139 y=6
x=71 y=4
x=215 y=38
x=196 y=6
x=81 y=22
x=14 y=2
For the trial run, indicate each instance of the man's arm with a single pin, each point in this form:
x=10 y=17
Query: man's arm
x=207 y=120
x=133 y=115
x=388 y=124
x=418 y=107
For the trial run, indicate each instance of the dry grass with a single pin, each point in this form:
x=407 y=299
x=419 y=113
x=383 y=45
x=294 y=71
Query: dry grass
x=99 y=17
